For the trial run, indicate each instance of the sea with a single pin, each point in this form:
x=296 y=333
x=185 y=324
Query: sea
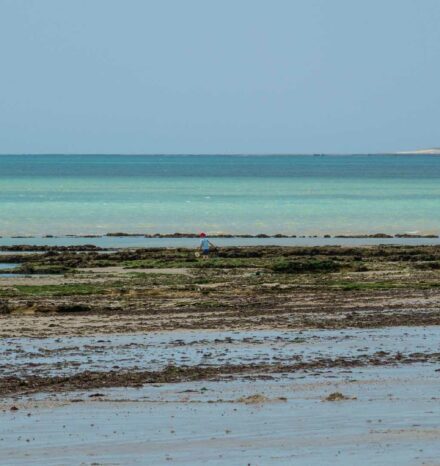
x=242 y=194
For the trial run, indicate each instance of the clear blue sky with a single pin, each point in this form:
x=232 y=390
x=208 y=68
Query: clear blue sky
x=229 y=76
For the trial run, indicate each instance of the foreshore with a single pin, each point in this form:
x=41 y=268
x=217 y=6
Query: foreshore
x=85 y=328
x=85 y=290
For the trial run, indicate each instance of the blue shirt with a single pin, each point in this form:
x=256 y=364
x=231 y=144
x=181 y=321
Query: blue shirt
x=204 y=244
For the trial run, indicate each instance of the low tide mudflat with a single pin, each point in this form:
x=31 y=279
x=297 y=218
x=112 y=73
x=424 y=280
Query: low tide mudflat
x=258 y=355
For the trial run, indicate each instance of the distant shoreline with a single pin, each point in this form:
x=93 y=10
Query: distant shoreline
x=228 y=236
x=430 y=152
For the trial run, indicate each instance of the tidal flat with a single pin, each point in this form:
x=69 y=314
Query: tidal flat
x=258 y=355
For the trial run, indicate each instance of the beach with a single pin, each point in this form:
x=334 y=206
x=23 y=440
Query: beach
x=219 y=233
x=258 y=355
x=310 y=335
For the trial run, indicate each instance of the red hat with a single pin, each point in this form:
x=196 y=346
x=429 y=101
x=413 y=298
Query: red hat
x=202 y=235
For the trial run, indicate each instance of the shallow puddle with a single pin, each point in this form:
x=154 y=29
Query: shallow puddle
x=6 y=266
x=156 y=350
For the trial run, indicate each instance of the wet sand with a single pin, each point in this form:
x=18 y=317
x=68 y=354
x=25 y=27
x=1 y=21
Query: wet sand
x=390 y=416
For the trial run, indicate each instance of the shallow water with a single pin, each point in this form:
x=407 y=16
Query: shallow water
x=249 y=194
x=6 y=266
x=141 y=242
x=154 y=351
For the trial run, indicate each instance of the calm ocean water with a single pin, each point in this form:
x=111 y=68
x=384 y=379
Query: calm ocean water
x=234 y=194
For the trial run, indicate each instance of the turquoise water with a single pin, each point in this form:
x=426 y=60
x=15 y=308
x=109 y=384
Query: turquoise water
x=233 y=194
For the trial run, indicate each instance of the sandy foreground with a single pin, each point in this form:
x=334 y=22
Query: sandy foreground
x=264 y=356
x=339 y=408
x=390 y=416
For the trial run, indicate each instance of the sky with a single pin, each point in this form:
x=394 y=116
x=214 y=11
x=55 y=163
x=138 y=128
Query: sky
x=229 y=76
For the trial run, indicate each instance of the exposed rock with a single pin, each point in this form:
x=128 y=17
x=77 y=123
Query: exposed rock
x=338 y=396
x=73 y=308
x=4 y=307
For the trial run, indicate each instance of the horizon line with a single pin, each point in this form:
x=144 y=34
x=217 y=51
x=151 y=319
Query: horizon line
x=232 y=154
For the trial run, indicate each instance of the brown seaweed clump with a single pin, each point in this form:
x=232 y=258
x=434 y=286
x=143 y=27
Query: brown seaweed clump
x=338 y=396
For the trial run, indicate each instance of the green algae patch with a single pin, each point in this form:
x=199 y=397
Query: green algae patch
x=382 y=285
x=310 y=266
x=158 y=264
